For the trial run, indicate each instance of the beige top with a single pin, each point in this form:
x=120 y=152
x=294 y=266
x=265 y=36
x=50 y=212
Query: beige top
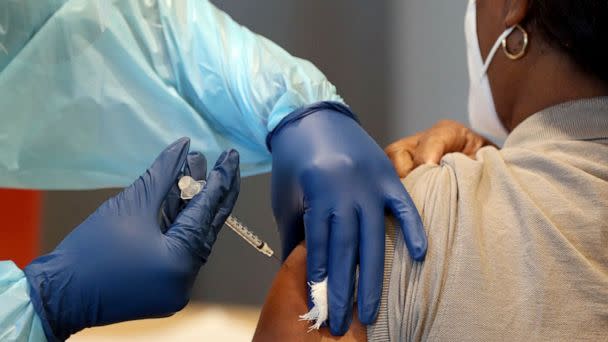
x=518 y=239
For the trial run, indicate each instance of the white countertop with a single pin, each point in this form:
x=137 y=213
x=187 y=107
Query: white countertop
x=197 y=322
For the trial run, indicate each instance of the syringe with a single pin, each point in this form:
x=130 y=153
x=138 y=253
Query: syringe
x=251 y=238
x=189 y=187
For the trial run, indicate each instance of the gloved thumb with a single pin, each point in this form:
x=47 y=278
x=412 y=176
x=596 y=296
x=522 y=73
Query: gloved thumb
x=154 y=184
x=195 y=226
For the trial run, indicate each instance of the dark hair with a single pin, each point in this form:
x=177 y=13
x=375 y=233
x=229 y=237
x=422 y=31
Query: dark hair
x=578 y=27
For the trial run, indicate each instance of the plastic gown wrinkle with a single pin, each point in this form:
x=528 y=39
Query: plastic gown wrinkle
x=18 y=320
x=92 y=91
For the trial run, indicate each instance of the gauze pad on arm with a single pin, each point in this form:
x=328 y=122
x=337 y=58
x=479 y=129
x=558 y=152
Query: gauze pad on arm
x=320 y=308
x=318 y=314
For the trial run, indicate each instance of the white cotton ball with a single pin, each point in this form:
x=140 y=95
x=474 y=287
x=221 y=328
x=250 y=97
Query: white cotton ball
x=319 y=311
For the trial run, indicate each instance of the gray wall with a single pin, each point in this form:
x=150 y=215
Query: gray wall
x=349 y=41
x=428 y=55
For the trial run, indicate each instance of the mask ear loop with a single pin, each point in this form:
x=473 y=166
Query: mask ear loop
x=503 y=37
x=524 y=49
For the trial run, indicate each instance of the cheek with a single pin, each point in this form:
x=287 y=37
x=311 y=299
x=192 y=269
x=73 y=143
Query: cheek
x=489 y=24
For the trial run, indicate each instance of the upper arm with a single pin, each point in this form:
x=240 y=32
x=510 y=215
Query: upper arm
x=433 y=190
x=435 y=193
x=286 y=301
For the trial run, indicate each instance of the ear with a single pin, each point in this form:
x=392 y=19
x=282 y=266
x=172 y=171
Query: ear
x=517 y=10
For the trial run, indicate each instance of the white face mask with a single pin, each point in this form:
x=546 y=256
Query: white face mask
x=482 y=111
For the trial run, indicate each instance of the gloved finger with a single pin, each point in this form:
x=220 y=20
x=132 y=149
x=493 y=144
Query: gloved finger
x=402 y=206
x=287 y=200
x=151 y=188
x=371 y=263
x=192 y=226
x=292 y=233
x=316 y=222
x=343 y=254
x=195 y=167
x=227 y=204
x=172 y=205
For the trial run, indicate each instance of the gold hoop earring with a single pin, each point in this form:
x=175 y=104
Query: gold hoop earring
x=524 y=49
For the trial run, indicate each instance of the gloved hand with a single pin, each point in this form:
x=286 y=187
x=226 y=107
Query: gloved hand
x=118 y=265
x=331 y=180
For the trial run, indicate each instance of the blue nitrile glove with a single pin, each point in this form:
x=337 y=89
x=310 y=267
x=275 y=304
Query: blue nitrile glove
x=331 y=184
x=118 y=265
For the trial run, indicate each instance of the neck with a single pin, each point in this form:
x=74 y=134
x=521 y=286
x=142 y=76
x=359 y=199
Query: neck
x=552 y=79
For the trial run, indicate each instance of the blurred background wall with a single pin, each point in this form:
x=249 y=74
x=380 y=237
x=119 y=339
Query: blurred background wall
x=428 y=64
x=400 y=64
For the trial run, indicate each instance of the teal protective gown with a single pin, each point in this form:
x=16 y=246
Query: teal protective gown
x=92 y=90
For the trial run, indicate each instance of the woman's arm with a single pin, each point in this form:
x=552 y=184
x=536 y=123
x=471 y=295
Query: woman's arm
x=286 y=301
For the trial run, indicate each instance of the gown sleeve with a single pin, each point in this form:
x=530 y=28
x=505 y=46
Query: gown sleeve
x=18 y=320
x=92 y=90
